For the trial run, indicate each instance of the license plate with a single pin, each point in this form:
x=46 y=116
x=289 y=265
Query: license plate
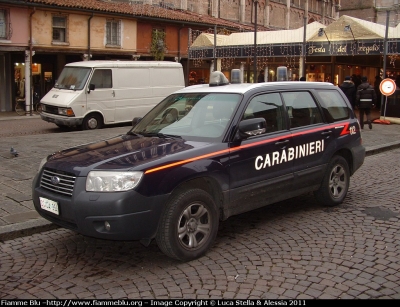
x=49 y=205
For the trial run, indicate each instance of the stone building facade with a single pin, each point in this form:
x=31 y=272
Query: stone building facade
x=275 y=14
x=372 y=10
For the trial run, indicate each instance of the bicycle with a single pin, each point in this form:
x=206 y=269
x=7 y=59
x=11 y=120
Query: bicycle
x=20 y=107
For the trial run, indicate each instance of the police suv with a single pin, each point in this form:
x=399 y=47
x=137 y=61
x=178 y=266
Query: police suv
x=203 y=154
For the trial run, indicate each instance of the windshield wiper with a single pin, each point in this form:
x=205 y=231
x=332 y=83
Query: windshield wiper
x=162 y=135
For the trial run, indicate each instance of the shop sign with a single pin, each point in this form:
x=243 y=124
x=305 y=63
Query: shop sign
x=387 y=87
x=344 y=48
x=370 y=47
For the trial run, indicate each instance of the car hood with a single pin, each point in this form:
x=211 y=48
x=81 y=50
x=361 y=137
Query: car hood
x=123 y=152
x=60 y=97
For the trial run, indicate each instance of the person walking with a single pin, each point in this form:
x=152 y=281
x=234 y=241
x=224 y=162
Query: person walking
x=365 y=100
x=349 y=89
x=261 y=77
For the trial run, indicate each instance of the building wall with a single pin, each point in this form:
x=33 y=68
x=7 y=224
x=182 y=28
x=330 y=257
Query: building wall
x=144 y=37
x=372 y=10
x=277 y=13
x=77 y=29
x=19 y=19
x=270 y=13
x=176 y=39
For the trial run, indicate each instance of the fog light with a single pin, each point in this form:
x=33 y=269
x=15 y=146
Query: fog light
x=107 y=225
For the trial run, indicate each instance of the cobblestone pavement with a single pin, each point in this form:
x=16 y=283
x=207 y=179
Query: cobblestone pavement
x=293 y=249
x=17 y=213
x=13 y=126
x=26 y=126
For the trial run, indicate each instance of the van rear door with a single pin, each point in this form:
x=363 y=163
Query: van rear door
x=103 y=97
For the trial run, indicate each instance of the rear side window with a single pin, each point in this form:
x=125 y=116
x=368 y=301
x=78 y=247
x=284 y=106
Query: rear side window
x=302 y=109
x=333 y=105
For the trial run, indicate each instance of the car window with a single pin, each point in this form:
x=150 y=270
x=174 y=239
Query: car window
x=333 y=105
x=73 y=78
x=302 y=109
x=102 y=78
x=267 y=106
x=191 y=115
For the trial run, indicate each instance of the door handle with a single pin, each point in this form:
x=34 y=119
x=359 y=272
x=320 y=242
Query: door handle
x=282 y=142
x=113 y=93
x=326 y=132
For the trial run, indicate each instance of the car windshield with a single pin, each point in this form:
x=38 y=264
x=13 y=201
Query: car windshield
x=73 y=78
x=190 y=116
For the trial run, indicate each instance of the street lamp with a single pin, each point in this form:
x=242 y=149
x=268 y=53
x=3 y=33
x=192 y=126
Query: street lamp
x=385 y=44
x=303 y=62
x=347 y=29
x=255 y=39
x=321 y=32
x=385 y=49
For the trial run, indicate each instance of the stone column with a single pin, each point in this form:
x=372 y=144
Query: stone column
x=242 y=11
x=28 y=75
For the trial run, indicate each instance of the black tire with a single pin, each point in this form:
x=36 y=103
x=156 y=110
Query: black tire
x=63 y=127
x=188 y=226
x=38 y=108
x=20 y=108
x=92 y=121
x=335 y=183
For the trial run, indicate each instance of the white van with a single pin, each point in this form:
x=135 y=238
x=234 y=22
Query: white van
x=91 y=94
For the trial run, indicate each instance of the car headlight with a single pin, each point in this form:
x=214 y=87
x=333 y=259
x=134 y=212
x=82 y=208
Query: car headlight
x=66 y=112
x=42 y=163
x=102 y=181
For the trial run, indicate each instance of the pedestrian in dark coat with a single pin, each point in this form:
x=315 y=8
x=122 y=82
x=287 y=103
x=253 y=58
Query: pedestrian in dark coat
x=261 y=76
x=349 y=89
x=365 y=100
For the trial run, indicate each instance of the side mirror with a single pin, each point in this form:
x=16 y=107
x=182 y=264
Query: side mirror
x=91 y=87
x=252 y=126
x=135 y=121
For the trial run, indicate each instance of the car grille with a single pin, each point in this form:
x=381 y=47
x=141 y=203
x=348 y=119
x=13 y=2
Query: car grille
x=51 y=109
x=58 y=182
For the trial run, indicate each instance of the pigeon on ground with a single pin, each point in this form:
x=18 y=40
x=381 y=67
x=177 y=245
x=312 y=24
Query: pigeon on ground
x=13 y=152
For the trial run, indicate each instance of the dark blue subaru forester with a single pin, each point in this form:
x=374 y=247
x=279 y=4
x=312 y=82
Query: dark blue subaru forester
x=203 y=154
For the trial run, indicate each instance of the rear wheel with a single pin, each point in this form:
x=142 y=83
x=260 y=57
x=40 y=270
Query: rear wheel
x=20 y=107
x=335 y=183
x=92 y=121
x=189 y=225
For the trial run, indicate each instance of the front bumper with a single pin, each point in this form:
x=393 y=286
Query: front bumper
x=130 y=215
x=61 y=120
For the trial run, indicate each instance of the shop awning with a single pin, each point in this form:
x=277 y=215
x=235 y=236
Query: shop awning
x=346 y=36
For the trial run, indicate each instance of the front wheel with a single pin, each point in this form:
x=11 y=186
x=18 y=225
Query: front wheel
x=188 y=226
x=335 y=183
x=38 y=108
x=92 y=121
x=20 y=107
